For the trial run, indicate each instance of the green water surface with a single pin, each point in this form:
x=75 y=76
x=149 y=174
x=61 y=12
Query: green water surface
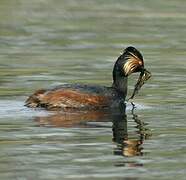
x=47 y=42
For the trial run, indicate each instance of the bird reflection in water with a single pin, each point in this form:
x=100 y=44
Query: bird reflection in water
x=70 y=119
x=128 y=144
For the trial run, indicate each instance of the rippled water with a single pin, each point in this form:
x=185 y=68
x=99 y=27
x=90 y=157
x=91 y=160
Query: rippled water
x=44 y=43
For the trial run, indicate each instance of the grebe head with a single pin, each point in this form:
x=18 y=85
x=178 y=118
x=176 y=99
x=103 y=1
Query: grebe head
x=132 y=61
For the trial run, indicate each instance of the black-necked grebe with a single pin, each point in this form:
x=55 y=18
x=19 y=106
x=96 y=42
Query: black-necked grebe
x=79 y=96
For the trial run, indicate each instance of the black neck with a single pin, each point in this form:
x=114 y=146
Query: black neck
x=119 y=79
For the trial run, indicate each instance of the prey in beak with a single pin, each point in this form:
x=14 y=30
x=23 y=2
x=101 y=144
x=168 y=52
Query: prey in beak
x=143 y=77
x=134 y=63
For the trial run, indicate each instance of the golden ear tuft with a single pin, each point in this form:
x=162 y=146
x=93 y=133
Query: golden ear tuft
x=132 y=63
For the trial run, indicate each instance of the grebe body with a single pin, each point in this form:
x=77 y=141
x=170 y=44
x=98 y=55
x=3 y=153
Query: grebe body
x=79 y=96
